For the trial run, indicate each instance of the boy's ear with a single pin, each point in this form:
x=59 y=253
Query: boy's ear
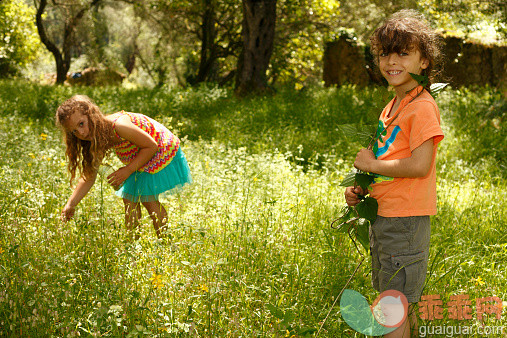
x=425 y=63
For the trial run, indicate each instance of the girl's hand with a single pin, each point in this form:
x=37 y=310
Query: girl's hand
x=67 y=212
x=364 y=160
x=119 y=176
x=351 y=195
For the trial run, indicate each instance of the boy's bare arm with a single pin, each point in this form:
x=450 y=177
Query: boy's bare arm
x=417 y=165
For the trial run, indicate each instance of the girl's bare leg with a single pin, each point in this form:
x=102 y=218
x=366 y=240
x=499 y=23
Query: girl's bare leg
x=132 y=216
x=158 y=215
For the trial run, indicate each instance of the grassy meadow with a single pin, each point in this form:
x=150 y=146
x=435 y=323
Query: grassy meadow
x=250 y=252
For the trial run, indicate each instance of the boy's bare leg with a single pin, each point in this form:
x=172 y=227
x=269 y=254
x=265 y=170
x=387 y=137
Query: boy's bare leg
x=408 y=326
x=132 y=216
x=158 y=215
x=412 y=316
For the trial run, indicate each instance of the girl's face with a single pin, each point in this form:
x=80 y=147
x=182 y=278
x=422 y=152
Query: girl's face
x=78 y=125
x=395 y=67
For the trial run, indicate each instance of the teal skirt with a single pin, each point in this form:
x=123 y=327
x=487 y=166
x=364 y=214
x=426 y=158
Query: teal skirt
x=146 y=187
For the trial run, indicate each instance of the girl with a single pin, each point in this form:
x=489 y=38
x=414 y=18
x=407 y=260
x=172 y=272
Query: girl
x=154 y=162
x=403 y=159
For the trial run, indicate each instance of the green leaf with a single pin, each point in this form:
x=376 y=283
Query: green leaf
x=436 y=88
x=349 y=179
x=307 y=331
x=421 y=79
x=363 y=234
x=364 y=180
x=367 y=209
x=276 y=312
x=289 y=316
x=359 y=133
x=346 y=214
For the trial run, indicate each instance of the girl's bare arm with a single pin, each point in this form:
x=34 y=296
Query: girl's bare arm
x=82 y=188
x=148 y=147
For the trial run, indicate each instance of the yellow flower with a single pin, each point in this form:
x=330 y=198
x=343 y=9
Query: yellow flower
x=43 y=136
x=31 y=155
x=156 y=280
x=203 y=288
x=478 y=281
x=1 y=251
x=29 y=164
x=288 y=335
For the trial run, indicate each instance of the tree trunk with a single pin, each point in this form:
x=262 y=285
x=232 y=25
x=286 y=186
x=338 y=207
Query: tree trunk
x=62 y=58
x=208 y=47
x=259 y=18
x=61 y=67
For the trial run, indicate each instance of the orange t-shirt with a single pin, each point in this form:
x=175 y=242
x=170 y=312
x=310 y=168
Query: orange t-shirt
x=418 y=121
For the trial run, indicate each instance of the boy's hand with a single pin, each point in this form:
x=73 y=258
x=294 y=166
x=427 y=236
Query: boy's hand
x=67 y=213
x=351 y=195
x=364 y=160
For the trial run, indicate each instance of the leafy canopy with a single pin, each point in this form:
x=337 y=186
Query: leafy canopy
x=19 y=41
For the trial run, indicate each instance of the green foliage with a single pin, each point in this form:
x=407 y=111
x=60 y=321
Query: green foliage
x=18 y=38
x=302 y=28
x=250 y=251
x=474 y=123
x=479 y=19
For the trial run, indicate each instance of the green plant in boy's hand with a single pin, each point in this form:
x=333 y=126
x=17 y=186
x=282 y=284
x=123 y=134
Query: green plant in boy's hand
x=356 y=220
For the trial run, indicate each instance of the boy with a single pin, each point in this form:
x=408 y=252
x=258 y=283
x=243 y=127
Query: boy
x=403 y=160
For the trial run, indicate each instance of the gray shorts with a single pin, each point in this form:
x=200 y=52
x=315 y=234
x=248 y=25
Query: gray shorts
x=399 y=253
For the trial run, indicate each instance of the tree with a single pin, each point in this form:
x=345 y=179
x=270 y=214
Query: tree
x=468 y=17
x=302 y=27
x=219 y=36
x=73 y=12
x=199 y=38
x=18 y=38
x=259 y=18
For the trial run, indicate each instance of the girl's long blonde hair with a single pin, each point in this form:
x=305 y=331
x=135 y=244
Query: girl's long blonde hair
x=84 y=156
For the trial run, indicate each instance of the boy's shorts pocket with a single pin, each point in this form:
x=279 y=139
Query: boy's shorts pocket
x=413 y=267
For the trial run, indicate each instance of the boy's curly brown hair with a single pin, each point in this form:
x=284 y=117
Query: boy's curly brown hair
x=405 y=30
x=84 y=156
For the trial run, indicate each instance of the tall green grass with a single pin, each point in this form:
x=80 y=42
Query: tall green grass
x=251 y=252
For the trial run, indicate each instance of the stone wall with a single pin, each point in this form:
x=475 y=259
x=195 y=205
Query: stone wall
x=95 y=77
x=344 y=62
x=466 y=63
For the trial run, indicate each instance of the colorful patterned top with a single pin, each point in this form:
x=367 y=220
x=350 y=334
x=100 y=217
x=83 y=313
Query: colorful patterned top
x=168 y=143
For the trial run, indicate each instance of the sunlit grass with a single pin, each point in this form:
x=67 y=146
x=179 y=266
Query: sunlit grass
x=249 y=237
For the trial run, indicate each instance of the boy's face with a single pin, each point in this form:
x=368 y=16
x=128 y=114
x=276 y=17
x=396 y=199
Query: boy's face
x=395 y=67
